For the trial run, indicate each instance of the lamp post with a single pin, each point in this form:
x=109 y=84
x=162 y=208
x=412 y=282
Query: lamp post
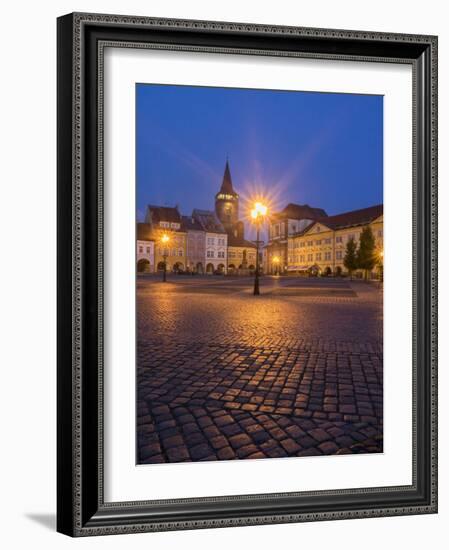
x=164 y=240
x=257 y=214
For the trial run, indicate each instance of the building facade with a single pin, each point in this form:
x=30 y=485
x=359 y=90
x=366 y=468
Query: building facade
x=216 y=241
x=165 y=220
x=145 y=249
x=195 y=245
x=241 y=256
x=321 y=246
x=293 y=219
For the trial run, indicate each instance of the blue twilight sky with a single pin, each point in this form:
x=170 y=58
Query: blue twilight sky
x=322 y=149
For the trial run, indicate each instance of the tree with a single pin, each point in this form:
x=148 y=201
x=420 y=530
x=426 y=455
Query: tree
x=366 y=257
x=350 y=259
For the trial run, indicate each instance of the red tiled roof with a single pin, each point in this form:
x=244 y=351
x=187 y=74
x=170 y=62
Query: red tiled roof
x=300 y=212
x=164 y=214
x=348 y=219
x=144 y=232
x=354 y=217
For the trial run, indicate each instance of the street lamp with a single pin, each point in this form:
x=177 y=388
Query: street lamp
x=257 y=214
x=164 y=240
x=276 y=261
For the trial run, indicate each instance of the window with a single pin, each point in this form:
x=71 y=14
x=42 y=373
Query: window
x=221 y=254
x=180 y=252
x=380 y=233
x=327 y=241
x=164 y=224
x=301 y=258
x=339 y=239
x=294 y=228
x=210 y=254
x=309 y=243
x=141 y=249
x=327 y=256
x=210 y=240
x=231 y=254
x=351 y=236
x=338 y=254
x=318 y=242
x=221 y=242
x=309 y=257
x=148 y=250
x=318 y=257
x=174 y=225
x=276 y=230
x=318 y=228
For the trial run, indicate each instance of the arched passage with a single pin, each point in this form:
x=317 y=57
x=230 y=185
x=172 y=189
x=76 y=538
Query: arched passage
x=143 y=265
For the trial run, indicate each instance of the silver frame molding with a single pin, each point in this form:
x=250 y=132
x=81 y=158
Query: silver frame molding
x=81 y=42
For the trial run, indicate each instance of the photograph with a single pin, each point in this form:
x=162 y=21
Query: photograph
x=259 y=273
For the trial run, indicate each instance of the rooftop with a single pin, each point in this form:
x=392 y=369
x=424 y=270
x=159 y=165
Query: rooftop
x=348 y=219
x=239 y=241
x=226 y=185
x=299 y=212
x=164 y=214
x=208 y=220
x=144 y=232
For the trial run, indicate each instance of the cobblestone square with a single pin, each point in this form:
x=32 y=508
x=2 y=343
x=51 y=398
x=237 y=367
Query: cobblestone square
x=222 y=374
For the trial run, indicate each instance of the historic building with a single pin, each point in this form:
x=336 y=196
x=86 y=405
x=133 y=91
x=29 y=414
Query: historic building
x=195 y=244
x=301 y=238
x=321 y=245
x=216 y=241
x=292 y=219
x=145 y=249
x=241 y=254
x=166 y=220
x=227 y=202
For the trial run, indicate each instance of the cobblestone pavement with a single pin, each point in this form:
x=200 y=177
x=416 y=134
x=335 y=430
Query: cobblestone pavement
x=222 y=374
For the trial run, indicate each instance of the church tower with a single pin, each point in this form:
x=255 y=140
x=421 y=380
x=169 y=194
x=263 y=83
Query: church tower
x=227 y=201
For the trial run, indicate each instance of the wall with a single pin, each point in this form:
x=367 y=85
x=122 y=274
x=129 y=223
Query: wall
x=28 y=122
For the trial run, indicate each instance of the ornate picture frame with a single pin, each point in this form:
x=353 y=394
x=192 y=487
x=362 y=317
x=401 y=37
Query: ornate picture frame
x=81 y=507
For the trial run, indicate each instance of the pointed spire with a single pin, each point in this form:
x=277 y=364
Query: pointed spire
x=226 y=186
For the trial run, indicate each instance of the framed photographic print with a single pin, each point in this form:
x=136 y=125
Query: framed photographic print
x=246 y=274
